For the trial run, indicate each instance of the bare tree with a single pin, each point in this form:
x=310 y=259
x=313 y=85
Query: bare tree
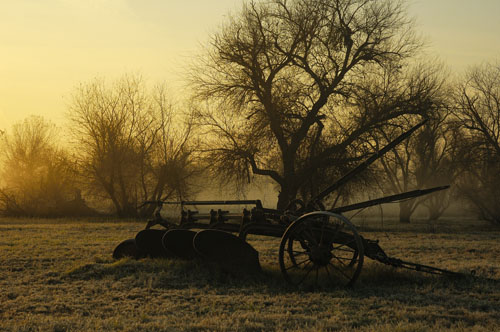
x=129 y=146
x=278 y=79
x=37 y=173
x=436 y=151
x=426 y=159
x=478 y=112
x=416 y=162
x=169 y=168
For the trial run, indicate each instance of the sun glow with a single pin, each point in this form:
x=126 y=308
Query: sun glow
x=48 y=47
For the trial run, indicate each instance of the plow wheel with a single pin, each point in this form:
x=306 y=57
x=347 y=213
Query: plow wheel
x=320 y=249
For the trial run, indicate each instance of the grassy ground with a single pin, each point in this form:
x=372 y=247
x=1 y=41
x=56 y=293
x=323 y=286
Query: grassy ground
x=58 y=275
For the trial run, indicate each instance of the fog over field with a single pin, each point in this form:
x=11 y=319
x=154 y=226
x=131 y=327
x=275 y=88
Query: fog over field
x=59 y=275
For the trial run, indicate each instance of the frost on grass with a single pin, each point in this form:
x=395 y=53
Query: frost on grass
x=60 y=277
x=162 y=273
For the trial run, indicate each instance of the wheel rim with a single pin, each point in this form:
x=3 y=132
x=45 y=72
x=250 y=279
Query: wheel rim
x=321 y=249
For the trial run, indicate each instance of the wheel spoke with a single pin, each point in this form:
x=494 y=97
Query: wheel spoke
x=322 y=232
x=340 y=261
x=345 y=244
x=343 y=258
x=346 y=250
x=300 y=253
x=339 y=227
x=329 y=275
x=310 y=236
x=340 y=271
x=296 y=265
x=305 y=276
x=317 y=272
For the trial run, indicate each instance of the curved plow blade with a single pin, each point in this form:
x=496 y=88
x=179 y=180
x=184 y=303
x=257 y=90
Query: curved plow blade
x=149 y=241
x=180 y=243
x=128 y=248
x=227 y=250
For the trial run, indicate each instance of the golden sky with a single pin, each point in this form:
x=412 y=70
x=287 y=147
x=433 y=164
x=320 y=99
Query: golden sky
x=47 y=47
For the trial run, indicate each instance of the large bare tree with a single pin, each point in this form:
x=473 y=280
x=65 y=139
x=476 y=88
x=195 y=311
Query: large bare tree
x=277 y=86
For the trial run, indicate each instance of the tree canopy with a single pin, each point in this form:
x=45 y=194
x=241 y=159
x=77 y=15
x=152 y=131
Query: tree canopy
x=285 y=85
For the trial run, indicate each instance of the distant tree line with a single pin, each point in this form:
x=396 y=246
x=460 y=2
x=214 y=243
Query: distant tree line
x=37 y=174
x=124 y=145
x=130 y=145
x=298 y=92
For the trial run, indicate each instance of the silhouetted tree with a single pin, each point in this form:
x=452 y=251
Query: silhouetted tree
x=436 y=150
x=426 y=158
x=277 y=85
x=478 y=112
x=130 y=147
x=38 y=176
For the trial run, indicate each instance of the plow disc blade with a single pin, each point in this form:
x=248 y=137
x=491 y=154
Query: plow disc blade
x=149 y=241
x=227 y=250
x=180 y=243
x=128 y=248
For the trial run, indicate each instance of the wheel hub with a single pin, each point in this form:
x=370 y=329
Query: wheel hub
x=320 y=255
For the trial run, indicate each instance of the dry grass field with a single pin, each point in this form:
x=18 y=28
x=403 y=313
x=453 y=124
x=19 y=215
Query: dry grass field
x=58 y=275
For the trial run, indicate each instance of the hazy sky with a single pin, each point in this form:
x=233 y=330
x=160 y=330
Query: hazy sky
x=47 y=47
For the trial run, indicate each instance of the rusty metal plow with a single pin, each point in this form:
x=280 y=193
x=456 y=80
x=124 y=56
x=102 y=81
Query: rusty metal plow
x=318 y=246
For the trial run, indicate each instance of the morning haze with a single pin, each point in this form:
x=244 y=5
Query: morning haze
x=49 y=47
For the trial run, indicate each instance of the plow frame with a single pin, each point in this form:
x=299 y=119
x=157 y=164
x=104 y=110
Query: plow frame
x=328 y=243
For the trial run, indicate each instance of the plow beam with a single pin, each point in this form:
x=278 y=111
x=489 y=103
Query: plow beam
x=398 y=263
x=361 y=167
x=387 y=199
x=255 y=202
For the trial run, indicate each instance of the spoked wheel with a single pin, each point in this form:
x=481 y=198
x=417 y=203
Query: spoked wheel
x=319 y=249
x=318 y=206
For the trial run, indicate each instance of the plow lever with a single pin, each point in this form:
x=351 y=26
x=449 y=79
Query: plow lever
x=388 y=199
x=361 y=167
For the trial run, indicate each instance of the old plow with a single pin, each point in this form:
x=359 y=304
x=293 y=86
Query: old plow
x=317 y=245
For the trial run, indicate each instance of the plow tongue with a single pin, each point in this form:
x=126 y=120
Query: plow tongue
x=180 y=243
x=149 y=241
x=227 y=250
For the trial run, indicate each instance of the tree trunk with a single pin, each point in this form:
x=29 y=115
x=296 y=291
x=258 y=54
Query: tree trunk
x=434 y=215
x=405 y=212
x=435 y=211
x=129 y=210
x=287 y=193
